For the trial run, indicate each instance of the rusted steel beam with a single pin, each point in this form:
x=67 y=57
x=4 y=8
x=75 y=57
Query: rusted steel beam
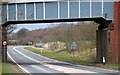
x=99 y=20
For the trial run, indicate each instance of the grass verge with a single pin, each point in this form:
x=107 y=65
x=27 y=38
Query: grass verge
x=110 y=66
x=9 y=67
x=58 y=56
x=68 y=58
x=0 y=67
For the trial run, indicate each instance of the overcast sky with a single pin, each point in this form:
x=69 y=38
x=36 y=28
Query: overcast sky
x=30 y=26
x=33 y=26
x=38 y=26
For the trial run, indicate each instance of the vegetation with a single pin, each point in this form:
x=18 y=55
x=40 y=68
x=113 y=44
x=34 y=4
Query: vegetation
x=84 y=34
x=111 y=66
x=0 y=67
x=60 y=56
x=10 y=68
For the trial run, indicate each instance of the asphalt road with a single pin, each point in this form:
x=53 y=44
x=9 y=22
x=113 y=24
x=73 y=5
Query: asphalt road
x=32 y=63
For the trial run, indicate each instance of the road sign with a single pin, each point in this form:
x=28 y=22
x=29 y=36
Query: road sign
x=73 y=45
x=4 y=43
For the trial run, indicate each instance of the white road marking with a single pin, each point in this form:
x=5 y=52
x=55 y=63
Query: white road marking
x=15 y=54
x=39 y=68
x=41 y=55
x=18 y=64
x=25 y=55
x=59 y=68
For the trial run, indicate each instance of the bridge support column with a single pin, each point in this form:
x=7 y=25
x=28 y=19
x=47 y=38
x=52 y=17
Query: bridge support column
x=115 y=36
x=4 y=47
x=102 y=45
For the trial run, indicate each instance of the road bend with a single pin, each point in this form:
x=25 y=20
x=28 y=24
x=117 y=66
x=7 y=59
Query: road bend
x=31 y=63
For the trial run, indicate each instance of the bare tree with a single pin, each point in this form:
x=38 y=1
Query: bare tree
x=82 y=33
x=9 y=28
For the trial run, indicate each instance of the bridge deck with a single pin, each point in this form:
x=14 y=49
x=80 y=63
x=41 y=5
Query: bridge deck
x=64 y=9
x=95 y=19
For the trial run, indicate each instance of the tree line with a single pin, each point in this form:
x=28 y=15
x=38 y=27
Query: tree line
x=83 y=33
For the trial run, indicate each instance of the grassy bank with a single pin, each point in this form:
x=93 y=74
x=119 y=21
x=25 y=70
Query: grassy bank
x=68 y=58
x=9 y=68
x=110 y=66
x=0 y=67
x=59 y=56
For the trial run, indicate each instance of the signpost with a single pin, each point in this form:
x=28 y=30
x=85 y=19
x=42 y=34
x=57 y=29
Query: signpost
x=73 y=47
x=4 y=51
x=4 y=43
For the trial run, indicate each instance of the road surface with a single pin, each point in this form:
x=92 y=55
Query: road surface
x=31 y=63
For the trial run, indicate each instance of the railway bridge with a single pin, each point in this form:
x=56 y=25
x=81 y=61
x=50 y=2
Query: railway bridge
x=49 y=11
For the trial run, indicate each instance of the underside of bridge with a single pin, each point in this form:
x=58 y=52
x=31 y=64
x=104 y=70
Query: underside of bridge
x=102 y=41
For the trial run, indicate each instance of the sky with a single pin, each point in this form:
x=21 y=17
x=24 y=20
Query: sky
x=34 y=26
x=31 y=26
x=37 y=26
